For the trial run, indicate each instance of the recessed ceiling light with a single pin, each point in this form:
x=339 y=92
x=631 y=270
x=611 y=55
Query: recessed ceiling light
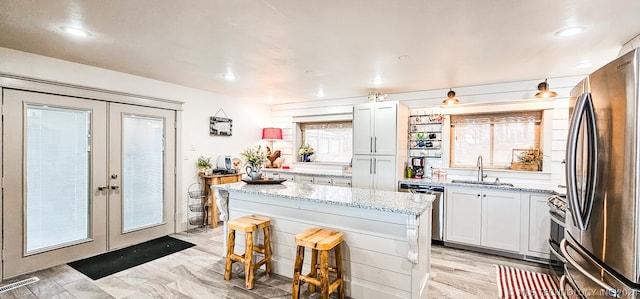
x=320 y=93
x=229 y=76
x=583 y=65
x=75 y=31
x=403 y=57
x=376 y=81
x=570 y=31
x=270 y=99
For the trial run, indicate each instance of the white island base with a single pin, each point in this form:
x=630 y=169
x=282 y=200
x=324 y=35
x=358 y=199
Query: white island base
x=387 y=235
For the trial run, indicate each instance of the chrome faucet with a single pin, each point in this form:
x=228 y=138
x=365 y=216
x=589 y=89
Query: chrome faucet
x=480 y=169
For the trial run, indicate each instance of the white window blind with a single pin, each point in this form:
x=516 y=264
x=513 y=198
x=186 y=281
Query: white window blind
x=332 y=141
x=493 y=136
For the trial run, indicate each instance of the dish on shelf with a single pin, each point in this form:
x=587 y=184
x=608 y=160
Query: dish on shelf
x=264 y=181
x=236 y=163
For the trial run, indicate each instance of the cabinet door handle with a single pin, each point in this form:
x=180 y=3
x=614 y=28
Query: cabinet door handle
x=478 y=195
x=114 y=187
x=370 y=166
x=102 y=188
x=371 y=144
x=484 y=195
x=375 y=144
x=375 y=165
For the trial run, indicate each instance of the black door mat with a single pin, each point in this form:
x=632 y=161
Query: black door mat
x=115 y=261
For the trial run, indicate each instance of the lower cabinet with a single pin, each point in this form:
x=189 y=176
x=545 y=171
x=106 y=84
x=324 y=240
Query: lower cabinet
x=482 y=217
x=304 y=179
x=310 y=179
x=539 y=225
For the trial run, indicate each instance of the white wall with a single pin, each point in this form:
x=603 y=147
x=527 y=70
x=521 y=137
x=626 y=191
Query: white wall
x=508 y=96
x=248 y=118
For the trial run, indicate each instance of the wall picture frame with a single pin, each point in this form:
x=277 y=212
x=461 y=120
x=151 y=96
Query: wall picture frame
x=220 y=126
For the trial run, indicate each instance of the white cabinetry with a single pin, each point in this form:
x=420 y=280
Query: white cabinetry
x=379 y=138
x=342 y=182
x=304 y=179
x=501 y=220
x=463 y=213
x=482 y=217
x=311 y=179
x=539 y=225
x=323 y=180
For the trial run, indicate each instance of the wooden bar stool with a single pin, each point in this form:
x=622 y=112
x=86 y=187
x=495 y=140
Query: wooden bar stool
x=323 y=240
x=248 y=225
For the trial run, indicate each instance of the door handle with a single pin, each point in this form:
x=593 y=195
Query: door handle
x=571 y=167
x=102 y=188
x=371 y=144
x=115 y=187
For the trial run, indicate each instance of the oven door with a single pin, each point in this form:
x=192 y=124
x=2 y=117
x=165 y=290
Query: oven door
x=556 y=234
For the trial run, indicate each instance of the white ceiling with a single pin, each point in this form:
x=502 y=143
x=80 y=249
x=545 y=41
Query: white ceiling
x=289 y=49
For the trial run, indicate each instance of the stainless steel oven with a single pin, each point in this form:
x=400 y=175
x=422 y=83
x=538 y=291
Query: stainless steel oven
x=557 y=215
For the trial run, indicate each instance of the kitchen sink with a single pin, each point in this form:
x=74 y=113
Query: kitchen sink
x=488 y=183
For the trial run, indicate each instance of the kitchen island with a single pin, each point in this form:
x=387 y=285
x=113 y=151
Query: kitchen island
x=387 y=235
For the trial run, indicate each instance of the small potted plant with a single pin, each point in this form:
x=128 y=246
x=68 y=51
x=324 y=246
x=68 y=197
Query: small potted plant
x=254 y=159
x=203 y=164
x=305 y=152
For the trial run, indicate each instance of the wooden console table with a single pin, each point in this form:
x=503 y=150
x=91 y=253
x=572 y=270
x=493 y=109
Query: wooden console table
x=216 y=179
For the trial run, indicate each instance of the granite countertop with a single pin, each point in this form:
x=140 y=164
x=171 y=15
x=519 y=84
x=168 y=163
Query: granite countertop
x=310 y=172
x=387 y=201
x=524 y=187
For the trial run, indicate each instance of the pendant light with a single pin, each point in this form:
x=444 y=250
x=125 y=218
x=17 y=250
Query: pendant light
x=544 y=91
x=451 y=98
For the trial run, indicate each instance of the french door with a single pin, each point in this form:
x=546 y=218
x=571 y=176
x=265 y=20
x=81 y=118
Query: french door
x=82 y=177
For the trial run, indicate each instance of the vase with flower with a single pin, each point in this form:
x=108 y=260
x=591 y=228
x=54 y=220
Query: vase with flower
x=254 y=159
x=305 y=152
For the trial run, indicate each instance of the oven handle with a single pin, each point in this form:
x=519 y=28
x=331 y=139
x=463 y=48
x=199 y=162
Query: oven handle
x=568 y=281
x=556 y=253
x=563 y=247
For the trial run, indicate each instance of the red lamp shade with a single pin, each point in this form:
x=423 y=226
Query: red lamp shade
x=272 y=133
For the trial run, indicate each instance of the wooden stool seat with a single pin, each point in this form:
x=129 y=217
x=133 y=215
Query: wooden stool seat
x=248 y=225
x=319 y=240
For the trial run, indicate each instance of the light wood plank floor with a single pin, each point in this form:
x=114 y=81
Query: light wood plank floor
x=197 y=273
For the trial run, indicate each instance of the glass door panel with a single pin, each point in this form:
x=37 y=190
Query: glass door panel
x=54 y=166
x=142 y=161
x=58 y=143
x=143 y=164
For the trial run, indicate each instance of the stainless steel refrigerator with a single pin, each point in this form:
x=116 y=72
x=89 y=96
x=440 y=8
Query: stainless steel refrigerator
x=602 y=239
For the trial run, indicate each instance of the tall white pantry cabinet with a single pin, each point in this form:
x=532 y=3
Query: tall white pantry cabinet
x=379 y=145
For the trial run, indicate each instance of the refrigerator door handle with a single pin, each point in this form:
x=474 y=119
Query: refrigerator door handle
x=613 y=292
x=572 y=149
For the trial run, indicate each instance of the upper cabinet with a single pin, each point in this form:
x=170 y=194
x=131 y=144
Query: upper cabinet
x=379 y=144
x=375 y=128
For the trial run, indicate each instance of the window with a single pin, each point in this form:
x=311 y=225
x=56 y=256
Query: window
x=493 y=136
x=332 y=141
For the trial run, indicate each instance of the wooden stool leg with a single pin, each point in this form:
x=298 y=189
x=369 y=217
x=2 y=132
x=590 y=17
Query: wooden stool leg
x=324 y=274
x=339 y=271
x=313 y=273
x=231 y=239
x=248 y=260
x=267 y=249
x=297 y=268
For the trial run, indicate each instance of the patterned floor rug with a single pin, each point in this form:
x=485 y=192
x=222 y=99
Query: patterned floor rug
x=520 y=284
